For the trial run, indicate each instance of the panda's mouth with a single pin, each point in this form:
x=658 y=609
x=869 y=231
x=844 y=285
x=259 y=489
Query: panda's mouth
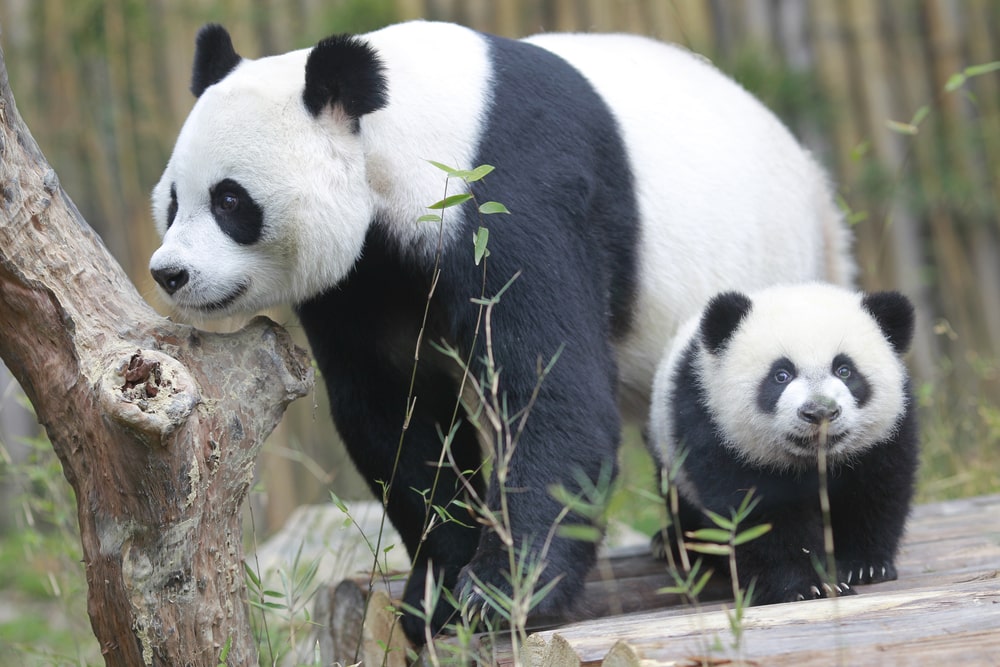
x=810 y=444
x=222 y=304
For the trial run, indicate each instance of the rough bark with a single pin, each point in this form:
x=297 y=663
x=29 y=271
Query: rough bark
x=157 y=424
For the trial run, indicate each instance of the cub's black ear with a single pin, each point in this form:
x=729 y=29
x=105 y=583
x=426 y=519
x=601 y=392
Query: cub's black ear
x=214 y=57
x=345 y=71
x=894 y=314
x=722 y=318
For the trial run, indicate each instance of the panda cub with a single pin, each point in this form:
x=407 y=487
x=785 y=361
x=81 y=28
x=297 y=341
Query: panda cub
x=742 y=395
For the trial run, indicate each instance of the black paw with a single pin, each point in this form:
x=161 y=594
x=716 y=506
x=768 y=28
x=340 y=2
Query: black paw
x=819 y=590
x=419 y=594
x=856 y=572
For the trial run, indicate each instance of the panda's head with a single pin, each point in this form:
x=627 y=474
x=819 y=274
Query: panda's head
x=777 y=366
x=265 y=199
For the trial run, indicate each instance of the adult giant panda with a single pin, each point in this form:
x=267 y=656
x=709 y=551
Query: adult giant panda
x=639 y=181
x=739 y=403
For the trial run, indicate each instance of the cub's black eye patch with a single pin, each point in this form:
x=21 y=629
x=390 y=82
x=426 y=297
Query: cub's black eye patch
x=236 y=212
x=773 y=384
x=844 y=368
x=172 y=208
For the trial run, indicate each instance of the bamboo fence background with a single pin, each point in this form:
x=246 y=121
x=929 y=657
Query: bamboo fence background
x=103 y=85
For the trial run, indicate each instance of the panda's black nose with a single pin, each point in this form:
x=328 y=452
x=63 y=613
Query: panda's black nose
x=171 y=278
x=818 y=411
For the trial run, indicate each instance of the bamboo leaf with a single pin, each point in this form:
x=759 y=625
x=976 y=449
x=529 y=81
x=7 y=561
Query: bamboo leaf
x=451 y=171
x=448 y=202
x=700 y=584
x=979 y=70
x=480 y=239
x=720 y=521
x=710 y=535
x=491 y=207
x=751 y=534
x=478 y=173
x=955 y=81
x=710 y=549
x=430 y=217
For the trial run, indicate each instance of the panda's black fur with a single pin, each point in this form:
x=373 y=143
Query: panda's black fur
x=607 y=226
x=713 y=465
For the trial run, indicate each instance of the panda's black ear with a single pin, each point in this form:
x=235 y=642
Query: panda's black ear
x=345 y=71
x=722 y=318
x=214 y=57
x=895 y=317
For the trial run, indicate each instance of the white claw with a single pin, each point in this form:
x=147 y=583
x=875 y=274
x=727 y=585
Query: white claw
x=815 y=591
x=883 y=570
x=826 y=587
x=871 y=571
x=850 y=576
x=800 y=597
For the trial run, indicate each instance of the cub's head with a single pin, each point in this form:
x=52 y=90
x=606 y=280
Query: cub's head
x=778 y=365
x=265 y=199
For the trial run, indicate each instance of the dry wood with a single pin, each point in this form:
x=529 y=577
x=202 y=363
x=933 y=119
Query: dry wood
x=948 y=585
x=157 y=425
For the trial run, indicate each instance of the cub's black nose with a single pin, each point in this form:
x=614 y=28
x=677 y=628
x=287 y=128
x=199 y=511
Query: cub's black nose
x=818 y=411
x=170 y=279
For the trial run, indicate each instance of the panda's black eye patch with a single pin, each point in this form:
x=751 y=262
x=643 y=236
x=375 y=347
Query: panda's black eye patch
x=846 y=371
x=236 y=212
x=172 y=207
x=773 y=384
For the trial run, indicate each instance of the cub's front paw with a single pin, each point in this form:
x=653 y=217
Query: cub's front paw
x=817 y=591
x=856 y=572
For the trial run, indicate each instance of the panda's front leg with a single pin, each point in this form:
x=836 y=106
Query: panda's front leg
x=787 y=563
x=870 y=504
x=568 y=438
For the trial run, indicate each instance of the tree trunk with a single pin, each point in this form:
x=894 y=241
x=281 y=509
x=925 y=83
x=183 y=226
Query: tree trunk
x=157 y=424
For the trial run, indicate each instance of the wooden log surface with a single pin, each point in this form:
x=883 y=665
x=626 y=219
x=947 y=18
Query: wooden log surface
x=943 y=609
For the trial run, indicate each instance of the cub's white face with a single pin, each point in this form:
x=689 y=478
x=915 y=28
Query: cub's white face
x=261 y=203
x=802 y=356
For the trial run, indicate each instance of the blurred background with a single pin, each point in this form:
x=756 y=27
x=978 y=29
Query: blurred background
x=900 y=99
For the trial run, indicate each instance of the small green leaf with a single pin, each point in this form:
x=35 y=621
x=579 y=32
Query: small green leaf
x=720 y=521
x=955 y=81
x=250 y=573
x=751 y=534
x=480 y=239
x=985 y=68
x=700 y=584
x=430 y=217
x=710 y=535
x=711 y=549
x=451 y=171
x=453 y=200
x=478 y=173
x=491 y=207
x=920 y=114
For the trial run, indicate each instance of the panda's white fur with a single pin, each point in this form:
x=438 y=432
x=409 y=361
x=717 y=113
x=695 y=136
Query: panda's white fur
x=810 y=324
x=653 y=181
